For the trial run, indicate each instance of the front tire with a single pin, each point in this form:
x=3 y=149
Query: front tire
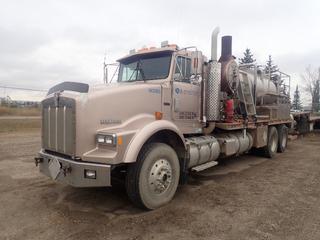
x=153 y=179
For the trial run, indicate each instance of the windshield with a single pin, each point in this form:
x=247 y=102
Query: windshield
x=145 y=67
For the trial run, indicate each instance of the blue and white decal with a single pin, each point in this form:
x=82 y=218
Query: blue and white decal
x=178 y=90
x=154 y=90
x=186 y=92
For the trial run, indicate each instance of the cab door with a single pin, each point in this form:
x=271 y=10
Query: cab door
x=185 y=97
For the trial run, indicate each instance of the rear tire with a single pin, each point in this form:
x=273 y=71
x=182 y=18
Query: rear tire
x=153 y=179
x=271 y=148
x=283 y=138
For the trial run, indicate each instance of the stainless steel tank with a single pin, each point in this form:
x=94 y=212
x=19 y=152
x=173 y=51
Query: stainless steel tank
x=263 y=85
x=230 y=73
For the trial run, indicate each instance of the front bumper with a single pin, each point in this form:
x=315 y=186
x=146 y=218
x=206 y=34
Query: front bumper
x=73 y=172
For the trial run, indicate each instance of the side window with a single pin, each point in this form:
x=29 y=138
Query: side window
x=183 y=69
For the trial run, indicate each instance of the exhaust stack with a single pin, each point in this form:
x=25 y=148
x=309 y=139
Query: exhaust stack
x=229 y=70
x=213 y=86
x=226 y=48
x=214 y=44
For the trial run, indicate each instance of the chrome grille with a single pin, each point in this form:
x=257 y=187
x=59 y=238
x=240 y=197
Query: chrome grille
x=58 y=125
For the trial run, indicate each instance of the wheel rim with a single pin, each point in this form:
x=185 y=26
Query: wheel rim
x=274 y=143
x=160 y=177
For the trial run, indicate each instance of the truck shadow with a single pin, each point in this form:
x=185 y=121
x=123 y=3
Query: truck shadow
x=112 y=202
x=225 y=167
x=107 y=202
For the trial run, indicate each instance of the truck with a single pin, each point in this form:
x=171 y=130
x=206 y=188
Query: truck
x=304 y=122
x=172 y=111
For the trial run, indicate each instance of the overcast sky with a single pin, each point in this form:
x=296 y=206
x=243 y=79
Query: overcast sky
x=46 y=42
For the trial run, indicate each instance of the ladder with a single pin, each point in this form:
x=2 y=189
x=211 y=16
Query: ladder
x=245 y=94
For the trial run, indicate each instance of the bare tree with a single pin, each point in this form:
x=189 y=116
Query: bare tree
x=311 y=78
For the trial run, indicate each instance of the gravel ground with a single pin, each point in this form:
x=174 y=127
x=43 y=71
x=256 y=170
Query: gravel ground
x=247 y=197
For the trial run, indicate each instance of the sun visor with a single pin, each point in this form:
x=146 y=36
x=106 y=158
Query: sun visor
x=69 y=86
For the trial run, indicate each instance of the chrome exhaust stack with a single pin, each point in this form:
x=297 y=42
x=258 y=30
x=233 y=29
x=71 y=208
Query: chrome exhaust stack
x=214 y=44
x=213 y=85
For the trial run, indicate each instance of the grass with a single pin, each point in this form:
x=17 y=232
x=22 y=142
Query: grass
x=19 y=125
x=11 y=111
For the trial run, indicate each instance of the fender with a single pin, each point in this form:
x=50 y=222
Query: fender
x=144 y=134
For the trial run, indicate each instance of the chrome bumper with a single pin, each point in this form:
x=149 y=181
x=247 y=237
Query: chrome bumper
x=73 y=172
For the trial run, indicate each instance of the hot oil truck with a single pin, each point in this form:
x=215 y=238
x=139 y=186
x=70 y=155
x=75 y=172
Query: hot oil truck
x=170 y=112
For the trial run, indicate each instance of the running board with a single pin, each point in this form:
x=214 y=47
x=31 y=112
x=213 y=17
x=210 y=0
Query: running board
x=204 y=166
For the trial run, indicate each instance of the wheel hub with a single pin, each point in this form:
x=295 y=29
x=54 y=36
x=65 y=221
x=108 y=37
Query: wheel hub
x=160 y=176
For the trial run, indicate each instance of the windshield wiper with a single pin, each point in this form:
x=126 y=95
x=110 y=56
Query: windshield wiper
x=131 y=80
x=137 y=70
x=141 y=71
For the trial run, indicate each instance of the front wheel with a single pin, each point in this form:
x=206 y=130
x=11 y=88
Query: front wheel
x=153 y=180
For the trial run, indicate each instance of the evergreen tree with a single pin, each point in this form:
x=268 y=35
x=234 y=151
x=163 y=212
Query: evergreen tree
x=247 y=57
x=316 y=98
x=296 y=103
x=272 y=69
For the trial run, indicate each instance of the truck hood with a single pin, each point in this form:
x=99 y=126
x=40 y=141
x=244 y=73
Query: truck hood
x=110 y=106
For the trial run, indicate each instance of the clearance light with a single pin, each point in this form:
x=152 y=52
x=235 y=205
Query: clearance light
x=173 y=46
x=143 y=49
x=164 y=44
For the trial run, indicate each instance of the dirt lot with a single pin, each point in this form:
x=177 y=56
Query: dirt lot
x=244 y=198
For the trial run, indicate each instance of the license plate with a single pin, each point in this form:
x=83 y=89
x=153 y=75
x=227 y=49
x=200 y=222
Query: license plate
x=54 y=168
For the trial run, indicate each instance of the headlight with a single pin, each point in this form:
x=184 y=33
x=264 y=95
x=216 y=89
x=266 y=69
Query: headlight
x=108 y=139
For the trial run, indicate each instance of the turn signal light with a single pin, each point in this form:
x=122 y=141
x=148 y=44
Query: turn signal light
x=158 y=115
x=120 y=140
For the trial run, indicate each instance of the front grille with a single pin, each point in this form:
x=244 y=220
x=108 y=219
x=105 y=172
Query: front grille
x=58 y=125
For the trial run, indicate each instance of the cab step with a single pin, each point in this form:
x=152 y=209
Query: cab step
x=204 y=166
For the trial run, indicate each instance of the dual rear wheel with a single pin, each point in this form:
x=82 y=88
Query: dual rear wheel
x=277 y=140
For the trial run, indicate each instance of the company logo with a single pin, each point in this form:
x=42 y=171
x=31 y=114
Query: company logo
x=178 y=90
x=109 y=121
x=154 y=90
x=186 y=92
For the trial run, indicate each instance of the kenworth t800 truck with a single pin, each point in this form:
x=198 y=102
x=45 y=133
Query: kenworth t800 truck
x=170 y=112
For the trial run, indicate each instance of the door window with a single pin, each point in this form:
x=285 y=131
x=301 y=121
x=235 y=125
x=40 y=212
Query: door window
x=182 y=69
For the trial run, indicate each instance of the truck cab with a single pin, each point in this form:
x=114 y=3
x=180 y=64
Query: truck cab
x=165 y=115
